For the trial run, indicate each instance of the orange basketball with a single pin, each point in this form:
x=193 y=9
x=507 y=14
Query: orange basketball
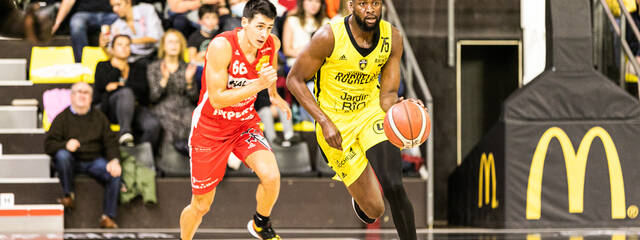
x=407 y=124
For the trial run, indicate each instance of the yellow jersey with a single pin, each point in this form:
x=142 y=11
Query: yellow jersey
x=347 y=82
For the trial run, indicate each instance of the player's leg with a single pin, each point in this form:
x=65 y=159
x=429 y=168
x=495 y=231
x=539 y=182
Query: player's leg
x=354 y=171
x=192 y=214
x=385 y=159
x=367 y=196
x=264 y=164
x=208 y=166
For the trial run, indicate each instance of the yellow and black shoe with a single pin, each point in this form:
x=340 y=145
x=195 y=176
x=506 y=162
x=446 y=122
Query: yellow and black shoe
x=264 y=233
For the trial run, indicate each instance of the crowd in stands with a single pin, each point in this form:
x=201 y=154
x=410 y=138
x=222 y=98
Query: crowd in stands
x=151 y=82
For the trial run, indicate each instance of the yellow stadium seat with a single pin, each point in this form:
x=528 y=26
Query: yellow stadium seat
x=49 y=56
x=45 y=121
x=115 y=127
x=90 y=58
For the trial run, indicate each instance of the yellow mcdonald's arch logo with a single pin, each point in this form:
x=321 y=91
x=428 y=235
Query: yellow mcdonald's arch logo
x=576 y=164
x=487 y=168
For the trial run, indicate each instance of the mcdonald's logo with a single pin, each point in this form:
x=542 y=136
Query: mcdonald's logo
x=487 y=169
x=576 y=164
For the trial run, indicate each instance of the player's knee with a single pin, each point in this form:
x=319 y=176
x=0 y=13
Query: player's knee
x=373 y=207
x=376 y=210
x=201 y=206
x=270 y=177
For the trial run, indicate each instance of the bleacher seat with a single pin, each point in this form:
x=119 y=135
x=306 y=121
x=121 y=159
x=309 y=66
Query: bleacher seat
x=294 y=160
x=320 y=165
x=49 y=56
x=90 y=58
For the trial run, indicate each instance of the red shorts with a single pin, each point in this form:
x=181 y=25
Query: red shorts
x=209 y=155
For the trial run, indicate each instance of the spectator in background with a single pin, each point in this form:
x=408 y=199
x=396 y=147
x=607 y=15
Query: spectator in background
x=266 y=111
x=89 y=16
x=173 y=95
x=300 y=25
x=198 y=41
x=343 y=10
x=179 y=14
x=298 y=28
x=80 y=141
x=122 y=93
x=333 y=7
x=141 y=23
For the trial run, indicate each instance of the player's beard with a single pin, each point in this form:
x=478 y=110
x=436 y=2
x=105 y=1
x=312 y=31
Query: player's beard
x=363 y=25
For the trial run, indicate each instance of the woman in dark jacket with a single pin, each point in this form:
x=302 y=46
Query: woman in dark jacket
x=122 y=93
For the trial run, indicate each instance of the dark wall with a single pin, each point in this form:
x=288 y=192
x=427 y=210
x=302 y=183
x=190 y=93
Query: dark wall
x=425 y=23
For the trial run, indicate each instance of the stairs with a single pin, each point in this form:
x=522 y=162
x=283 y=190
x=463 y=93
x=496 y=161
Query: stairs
x=27 y=191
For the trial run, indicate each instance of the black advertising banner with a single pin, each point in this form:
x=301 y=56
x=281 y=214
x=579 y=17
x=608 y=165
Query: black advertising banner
x=566 y=150
x=476 y=188
x=572 y=174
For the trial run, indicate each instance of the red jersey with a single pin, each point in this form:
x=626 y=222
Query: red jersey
x=222 y=123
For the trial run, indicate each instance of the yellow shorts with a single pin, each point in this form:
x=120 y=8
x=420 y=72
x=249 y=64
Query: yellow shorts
x=360 y=131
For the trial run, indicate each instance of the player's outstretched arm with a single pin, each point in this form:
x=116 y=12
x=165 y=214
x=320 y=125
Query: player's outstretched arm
x=391 y=72
x=309 y=60
x=218 y=59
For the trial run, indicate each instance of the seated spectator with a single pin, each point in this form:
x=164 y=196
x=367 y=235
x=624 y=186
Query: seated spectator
x=199 y=40
x=298 y=28
x=179 y=14
x=266 y=111
x=80 y=141
x=119 y=85
x=141 y=23
x=89 y=16
x=173 y=95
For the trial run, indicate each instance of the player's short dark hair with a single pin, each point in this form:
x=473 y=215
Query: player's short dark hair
x=207 y=8
x=263 y=7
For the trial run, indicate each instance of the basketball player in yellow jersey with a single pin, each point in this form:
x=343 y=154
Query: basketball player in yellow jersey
x=347 y=58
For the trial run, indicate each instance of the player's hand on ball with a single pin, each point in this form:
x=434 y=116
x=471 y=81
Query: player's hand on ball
x=283 y=105
x=418 y=101
x=331 y=134
x=268 y=76
x=415 y=100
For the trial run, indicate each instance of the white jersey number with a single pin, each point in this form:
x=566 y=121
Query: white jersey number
x=239 y=67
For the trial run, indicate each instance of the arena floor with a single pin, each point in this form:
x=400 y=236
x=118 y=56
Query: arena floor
x=343 y=234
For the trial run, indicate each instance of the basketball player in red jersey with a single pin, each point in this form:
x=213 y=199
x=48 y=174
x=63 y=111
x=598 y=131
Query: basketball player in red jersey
x=238 y=65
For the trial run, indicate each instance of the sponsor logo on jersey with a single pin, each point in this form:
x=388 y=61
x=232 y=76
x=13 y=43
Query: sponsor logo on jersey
x=356 y=77
x=238 y=82
x=264 y=60
x=354 y=102
x=233 y=115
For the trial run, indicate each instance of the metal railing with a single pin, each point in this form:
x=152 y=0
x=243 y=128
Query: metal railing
x=621 y=33
x=412 y=74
